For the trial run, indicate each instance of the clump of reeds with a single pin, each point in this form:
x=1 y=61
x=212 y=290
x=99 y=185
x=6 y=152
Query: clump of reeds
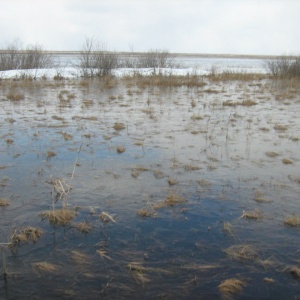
x=231 y=286
x=271 y=154
x=241 y=252
x=295 y=271
x=246 y=103
x=15 y=96
x=293 y=221
x=59 y=217
x=173 y=199
x=146 y=212
x=119 y=126
x=25 y=235
x=254 y=215
x=106 y=217
x=46 y=267
x=83 y=227
x=172 y=181
x=4 y=202
x=79 y=257
x=287 y=161
x=67 y=136
x=227 y=228
x=259 y=197
x=121 y=149
x=280 y=127
x=50 y=154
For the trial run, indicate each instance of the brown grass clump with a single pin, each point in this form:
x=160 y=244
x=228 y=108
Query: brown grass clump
x=292 y=221
x=4 y=202
x=227 y=228
x=241 y=252
x=269 y=280
x=231 y=286
x=79 y=257
x=59 y=216
x=25 y=235
x=106 y=217
x=46 y=267
x=246 y=103
x=9 y=141
x=279 y=127
x=173 y=199
x=67 y=136
x=119 y=126
x=50 y=154
x=254 y=215
x=14 y=96
x=295 y=271
x=172 y=181
x=121 y=149
x=144 y=212
x=287 y=161
x=271 y=154
x=83 y=227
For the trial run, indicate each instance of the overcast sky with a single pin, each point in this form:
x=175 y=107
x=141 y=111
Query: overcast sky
x=192 y=26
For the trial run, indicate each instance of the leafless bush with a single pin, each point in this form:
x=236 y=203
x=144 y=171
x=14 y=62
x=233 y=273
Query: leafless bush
x=157 y=59
x=96 y=60
x=284 y=67
x=14 y=57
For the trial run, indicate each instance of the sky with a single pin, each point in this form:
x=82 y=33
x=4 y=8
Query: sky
x=255 y=27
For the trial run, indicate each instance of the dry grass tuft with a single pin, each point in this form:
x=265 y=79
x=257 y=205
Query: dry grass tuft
x=246 y=103
x=241 y=252
x=50 y=154
x=4 y=202
x=271 y=154
x=269 y=280
x=287 y=161
x=15 y=96
x=119 y=126
x=231 y=286
x=83 y=227
x=279 y=127
x=145 y=212
x=173 y=199
x=67 y=136
x=59 y=217
x=121 y=149
x=172 y=181
x=46 y=267
x=292 y=221
x=25 y=235
x=106 y=217
x=254 y=215
x=227 y=228
x=295 y=271
x=79 y=257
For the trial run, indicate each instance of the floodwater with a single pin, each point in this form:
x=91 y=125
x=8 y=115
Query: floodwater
x=231 y=170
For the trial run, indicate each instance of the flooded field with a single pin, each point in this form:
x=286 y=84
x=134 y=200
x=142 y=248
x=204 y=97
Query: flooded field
x=125 y=188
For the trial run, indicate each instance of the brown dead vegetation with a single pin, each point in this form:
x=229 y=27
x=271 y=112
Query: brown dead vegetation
x=83 y=227
x=59 y=217
x=4 y=202
x=119 y=126
x=254 y=215
x=241 y=252
x=292 y=221
x=46 y=267
x=231 y=286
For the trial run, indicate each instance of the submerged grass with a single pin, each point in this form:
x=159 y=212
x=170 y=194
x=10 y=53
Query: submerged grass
x=59 y=217
x=46 y=267
x=231 y=286
x=241 y=252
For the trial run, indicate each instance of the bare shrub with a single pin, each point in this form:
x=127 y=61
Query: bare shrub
x=285 y=66
x=95 y=60
x=157 y=59
x=14 y=57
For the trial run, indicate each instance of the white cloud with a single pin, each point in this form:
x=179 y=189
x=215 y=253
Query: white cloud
x=203 y=26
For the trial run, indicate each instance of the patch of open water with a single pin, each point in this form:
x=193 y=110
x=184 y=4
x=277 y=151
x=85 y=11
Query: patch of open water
x=221 y=160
